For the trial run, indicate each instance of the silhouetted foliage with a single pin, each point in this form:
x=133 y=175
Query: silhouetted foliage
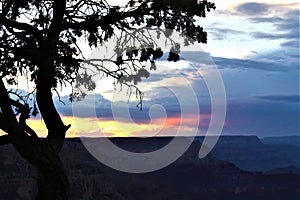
x=39 y=38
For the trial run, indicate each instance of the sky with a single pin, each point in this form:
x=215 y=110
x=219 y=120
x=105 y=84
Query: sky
x=254 y=47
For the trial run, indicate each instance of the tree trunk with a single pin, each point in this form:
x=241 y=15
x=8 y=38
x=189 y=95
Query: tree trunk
x=52 y=180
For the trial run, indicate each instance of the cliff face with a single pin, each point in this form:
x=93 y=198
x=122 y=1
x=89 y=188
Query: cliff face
x=86 y=181
x=252 y=154
x=288 y=140
x=187 y=178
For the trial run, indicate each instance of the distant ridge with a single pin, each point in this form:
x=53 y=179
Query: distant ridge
x=290 y=140
x=235 y=139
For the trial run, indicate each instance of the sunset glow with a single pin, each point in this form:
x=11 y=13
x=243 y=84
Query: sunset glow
x=255 y=49
x=92 y=127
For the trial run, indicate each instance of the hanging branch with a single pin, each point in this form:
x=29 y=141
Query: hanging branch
x=24 y=111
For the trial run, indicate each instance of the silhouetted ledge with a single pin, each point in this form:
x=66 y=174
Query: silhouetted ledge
x=187 y=178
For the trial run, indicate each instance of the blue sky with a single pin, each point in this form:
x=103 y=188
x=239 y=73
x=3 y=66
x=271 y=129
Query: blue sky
x=261 y=73
x=255 y=46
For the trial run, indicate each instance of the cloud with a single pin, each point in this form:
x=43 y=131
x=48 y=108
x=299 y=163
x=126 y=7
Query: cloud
x=170 y=98
x=251 y=64
x=154 y=77
x=271 y=36
x=82 y=108
x=287 y=27
x=266 y=19
x=253 y=8
x=262 y=118
x=285 y=58
x=291 y=44
x=200 y=57
x=252 y=116
x=251 y=112
x=224 y=33
x=280 y=98
x=239 y=75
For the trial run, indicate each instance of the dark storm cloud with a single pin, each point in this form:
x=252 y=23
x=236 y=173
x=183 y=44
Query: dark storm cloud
x=280 y=98
x=253 y=8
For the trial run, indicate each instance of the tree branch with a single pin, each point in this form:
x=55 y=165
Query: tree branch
x=112 y=17
x=20 y=26
x=25 y=114
x=8 y=120
x=5 y=106
x=5 y=139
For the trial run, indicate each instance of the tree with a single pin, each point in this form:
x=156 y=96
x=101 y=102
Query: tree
x=39 y=38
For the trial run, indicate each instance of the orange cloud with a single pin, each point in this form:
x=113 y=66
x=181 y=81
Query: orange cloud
x=97 y=127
